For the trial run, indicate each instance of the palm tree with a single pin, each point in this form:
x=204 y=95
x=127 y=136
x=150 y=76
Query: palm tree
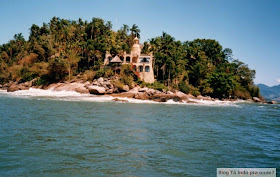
x=19 y=37
x=135 y=31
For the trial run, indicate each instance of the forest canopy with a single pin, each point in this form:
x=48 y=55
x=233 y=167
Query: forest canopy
x=66 y=49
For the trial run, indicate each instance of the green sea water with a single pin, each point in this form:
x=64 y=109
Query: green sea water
x=50 y=136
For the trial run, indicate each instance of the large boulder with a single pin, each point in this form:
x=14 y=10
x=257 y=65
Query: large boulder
x=256 y=99
x=123 y=88
x=97 y=90
x=75 y=86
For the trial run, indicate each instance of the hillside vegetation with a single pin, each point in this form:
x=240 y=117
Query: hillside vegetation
x=63 y=50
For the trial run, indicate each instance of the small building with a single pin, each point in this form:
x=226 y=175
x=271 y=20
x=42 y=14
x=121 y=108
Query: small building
x=143 y=63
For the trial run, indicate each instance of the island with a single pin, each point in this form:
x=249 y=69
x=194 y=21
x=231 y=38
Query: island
x=90 y=57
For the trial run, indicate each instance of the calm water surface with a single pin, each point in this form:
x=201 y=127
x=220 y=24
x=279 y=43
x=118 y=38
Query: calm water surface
x=49 y=137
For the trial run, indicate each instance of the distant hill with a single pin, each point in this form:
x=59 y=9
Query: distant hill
x=270 y=93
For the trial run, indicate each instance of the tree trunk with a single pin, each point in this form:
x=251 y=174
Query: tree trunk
x=169 y=78
x=69 y=71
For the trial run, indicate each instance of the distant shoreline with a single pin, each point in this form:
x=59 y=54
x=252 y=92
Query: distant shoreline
x=103 y=86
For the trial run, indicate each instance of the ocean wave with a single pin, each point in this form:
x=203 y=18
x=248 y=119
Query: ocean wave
x=75 y=96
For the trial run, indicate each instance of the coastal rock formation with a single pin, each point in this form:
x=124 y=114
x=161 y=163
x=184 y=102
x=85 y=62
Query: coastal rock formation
x=14 y=86
x=103 y=86
x=74 y=86
x=256 y=99
x=271 y=102
x=97 y=90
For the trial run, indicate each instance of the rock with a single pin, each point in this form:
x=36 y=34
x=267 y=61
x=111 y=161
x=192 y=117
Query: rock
x=271 y=102
x=170 y=93
x=81 y=90
x=135 y=89
x=15 y=87
x=151 y=92
x=124 y=88
x=119 y=100
x=256 y=99
x=95 y=83
x=123 y=95
x=107 y=84
x=204 y=97
x=1 y=86
x=87 y=83
x=141 y=96
x=165 y=97
x=28 y=84
x=110 y=91
x=144 y=89
x=75 y=86
x=181 y=94
x=96 y=90
x=100 y=80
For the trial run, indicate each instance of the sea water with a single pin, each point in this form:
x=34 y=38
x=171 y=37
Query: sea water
x=47 y=133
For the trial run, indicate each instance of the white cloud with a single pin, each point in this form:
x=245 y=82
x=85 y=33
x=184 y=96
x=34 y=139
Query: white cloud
x=278 y=80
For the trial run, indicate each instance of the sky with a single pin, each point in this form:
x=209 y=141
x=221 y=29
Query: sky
x=249 y=27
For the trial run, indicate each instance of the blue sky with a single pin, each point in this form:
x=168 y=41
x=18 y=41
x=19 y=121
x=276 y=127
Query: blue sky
x=249 y=27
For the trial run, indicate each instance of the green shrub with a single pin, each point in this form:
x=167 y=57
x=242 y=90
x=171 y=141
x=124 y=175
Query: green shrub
x=194 y=91
x=43 y=80
x=127 y=80
x=89 y=75
x=119 y=85
x=183 y=87
x=57 y=70
x=100 y=73
x=254 y=91
x=241 y=92
x=29 y=76
x=108 y=72
x=157 y=86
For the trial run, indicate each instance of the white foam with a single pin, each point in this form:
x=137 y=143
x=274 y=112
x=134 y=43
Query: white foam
x=75 y=96
x=58 y=95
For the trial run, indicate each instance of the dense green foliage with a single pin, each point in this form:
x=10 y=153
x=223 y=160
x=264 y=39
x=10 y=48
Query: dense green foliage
x=202 y=67
x=64 y=49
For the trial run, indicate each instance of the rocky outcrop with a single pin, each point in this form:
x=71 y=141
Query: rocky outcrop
x=68 y=86
x=257 y=100
x=15 y=86
x=19 y=85
x=158 y=96
x=97 y=90
x=271 y=102
x=103 y=86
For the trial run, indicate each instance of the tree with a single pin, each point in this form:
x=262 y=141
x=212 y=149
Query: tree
x=56 y=70
x=135 y=31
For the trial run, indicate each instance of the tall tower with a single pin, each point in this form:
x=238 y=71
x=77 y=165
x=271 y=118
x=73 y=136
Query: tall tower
x=136 y=49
